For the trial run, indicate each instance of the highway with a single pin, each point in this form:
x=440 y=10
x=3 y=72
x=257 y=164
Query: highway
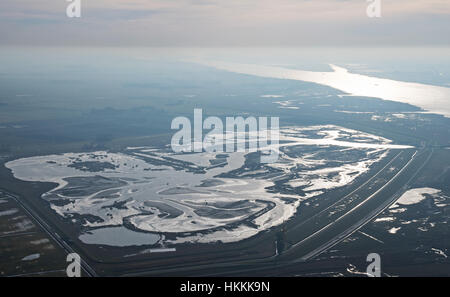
x=88 y=270
x=326 y=237
x=358 y=225
x=346 y=196
x=335 y=230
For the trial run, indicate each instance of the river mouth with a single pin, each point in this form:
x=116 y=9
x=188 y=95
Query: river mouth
x=433 y=99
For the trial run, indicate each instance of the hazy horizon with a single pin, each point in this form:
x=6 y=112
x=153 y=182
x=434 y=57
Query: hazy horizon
x=214 y=23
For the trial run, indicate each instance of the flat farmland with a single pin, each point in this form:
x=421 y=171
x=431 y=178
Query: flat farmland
x=25 y=248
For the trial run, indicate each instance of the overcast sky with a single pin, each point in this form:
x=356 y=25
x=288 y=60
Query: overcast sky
x=225 y=23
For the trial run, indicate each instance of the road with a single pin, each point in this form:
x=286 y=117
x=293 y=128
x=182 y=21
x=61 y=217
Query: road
x=326 y=237
x=349 y=221
x=371 y=215
x=357 y=225
x=89 y=271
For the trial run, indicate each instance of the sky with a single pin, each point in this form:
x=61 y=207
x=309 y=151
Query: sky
x=211 y=23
